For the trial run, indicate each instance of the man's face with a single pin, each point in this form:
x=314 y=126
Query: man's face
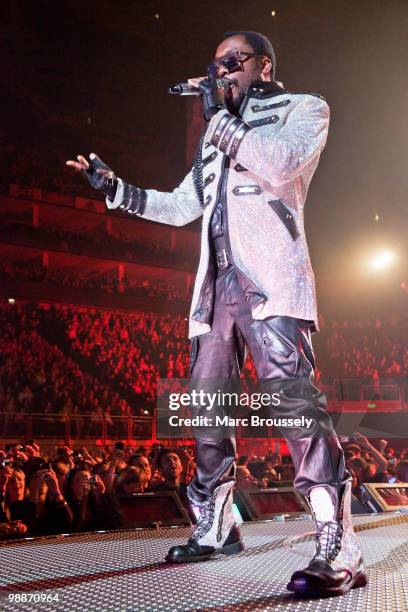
x=144 y=463
x=17 y=481
x=171 y=465
x=240 y=80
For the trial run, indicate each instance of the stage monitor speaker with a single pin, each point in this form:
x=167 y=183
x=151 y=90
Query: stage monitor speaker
x=161 y=508
x=270 y=504
x=380 y=497
x=280 y=484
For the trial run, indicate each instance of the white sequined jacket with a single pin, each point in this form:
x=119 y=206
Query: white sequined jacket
x=263 y=165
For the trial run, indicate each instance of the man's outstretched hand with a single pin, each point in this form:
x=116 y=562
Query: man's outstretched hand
x=99 y=175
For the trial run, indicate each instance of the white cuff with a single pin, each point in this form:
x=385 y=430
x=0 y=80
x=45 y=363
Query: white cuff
x=118 y=197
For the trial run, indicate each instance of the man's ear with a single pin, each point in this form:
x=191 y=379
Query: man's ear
x=266 y=66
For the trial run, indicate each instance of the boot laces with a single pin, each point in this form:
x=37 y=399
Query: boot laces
x=329 y=534
x=205 y=519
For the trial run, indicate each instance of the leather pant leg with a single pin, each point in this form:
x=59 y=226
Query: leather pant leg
x=215 y=357
x=283 y=355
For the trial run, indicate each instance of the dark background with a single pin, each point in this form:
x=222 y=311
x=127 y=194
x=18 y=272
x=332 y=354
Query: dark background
x=79 y=77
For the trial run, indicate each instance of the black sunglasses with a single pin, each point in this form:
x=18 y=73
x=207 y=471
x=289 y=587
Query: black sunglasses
x=231 y=62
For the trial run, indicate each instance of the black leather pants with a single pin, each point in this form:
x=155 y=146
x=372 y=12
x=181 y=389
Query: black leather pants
x=282 y=351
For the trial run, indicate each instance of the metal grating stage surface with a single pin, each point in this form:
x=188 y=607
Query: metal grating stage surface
x=125 y=571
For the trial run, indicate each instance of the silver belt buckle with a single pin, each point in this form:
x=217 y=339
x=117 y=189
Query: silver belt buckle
x=222 y=258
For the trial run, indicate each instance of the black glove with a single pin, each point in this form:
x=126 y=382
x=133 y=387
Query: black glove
x=213 y=97
x=106 y=181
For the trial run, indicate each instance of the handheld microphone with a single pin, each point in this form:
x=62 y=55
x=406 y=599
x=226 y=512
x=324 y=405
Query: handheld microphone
x=185 y=89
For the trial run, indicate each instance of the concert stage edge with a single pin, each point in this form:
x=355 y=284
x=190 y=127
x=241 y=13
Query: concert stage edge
x=125 y=570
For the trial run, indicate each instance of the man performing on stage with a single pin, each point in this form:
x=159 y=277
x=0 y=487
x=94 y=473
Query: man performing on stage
x=254 y=291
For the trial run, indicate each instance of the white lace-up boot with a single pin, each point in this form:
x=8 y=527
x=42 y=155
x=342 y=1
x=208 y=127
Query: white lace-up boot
x=215 y=531
x=337 y=565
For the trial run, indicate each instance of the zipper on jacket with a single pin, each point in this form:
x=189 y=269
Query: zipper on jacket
x=258 y=108
x=205 y=281
x=225 y=208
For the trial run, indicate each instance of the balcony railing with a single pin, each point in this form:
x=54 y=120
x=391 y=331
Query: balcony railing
x=356 y=390
x=18 y=425
x=342 y=395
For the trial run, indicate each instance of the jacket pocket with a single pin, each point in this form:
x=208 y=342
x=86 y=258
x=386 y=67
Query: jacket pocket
x=285 y=216
x=209 y=158
x=209 y=179
x=280 y=356
x=243 y=190
x=252 y=293
x=259 y=108
x=264 y=121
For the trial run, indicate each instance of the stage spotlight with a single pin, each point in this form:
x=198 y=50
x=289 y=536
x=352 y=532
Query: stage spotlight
x=382 y=260
x=11 y=301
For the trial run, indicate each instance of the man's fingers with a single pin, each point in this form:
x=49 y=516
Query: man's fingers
x=195 y=81
x=81 y=164
x=83 y=161
x=73 y=164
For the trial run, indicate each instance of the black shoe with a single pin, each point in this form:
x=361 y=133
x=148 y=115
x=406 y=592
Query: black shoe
x=320 y=580
x=192 y=552
x=337 y=565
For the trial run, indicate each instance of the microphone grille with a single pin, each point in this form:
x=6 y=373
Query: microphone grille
x=222 y=83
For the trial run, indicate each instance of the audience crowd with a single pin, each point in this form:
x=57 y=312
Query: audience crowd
x=36 y=376
x=367 y=347
x=60 y=490
x=72 y=360
x=77 y=361
x=69 y=490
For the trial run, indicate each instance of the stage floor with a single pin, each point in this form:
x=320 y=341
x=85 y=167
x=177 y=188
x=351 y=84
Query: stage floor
x=125 y=571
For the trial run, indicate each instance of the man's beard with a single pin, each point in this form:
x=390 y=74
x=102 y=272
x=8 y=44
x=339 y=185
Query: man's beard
x=234 y=100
